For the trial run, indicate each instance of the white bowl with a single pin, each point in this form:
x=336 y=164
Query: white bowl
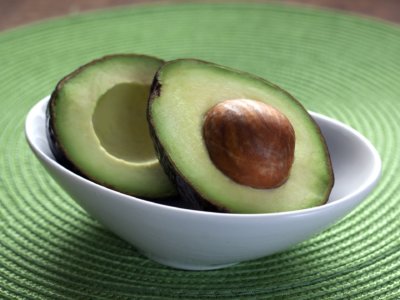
x=197 y=240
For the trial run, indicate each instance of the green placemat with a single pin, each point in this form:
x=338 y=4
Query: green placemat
x=343 y=66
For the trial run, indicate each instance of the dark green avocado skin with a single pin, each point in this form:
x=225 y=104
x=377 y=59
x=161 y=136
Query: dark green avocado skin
x=186 y=191
x=188 y=194
x=55 y=147
x=57 y=150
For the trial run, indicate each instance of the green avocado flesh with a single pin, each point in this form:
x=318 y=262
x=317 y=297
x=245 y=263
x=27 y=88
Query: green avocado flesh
x=186 y=89
x=97 y=120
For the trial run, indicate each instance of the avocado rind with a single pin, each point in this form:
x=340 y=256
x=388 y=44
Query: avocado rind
x=141 y=179
x=173 y=81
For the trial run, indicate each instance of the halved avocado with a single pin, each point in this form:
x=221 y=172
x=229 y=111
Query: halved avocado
x=186 y=92
x=97 y=125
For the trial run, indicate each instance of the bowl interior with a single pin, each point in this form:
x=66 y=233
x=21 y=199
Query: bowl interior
x=355 y=161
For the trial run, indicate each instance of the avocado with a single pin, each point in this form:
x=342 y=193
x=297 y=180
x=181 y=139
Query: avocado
x=97 y=127
x=233 y=142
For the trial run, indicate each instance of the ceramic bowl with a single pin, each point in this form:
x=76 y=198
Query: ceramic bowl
x=196 y=240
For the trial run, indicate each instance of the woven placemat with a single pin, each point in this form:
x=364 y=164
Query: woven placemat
x=343 y=66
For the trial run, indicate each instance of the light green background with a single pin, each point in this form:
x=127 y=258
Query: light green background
x=343 y=66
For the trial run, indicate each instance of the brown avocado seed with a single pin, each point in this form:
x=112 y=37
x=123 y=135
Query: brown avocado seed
x=250 y=142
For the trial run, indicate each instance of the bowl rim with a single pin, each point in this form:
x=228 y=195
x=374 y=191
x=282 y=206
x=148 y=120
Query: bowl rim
x=365 y=186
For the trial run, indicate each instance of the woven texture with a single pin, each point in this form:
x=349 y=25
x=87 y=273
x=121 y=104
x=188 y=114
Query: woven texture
x=343 y=66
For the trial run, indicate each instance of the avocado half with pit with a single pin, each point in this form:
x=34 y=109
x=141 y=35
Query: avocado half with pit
x=97 y=127
x=234 y=142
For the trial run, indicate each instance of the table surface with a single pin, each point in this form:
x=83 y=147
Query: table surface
x=345 y=67
x=19 y=12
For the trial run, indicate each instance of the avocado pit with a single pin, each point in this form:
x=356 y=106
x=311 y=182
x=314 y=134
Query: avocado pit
x=250 y=141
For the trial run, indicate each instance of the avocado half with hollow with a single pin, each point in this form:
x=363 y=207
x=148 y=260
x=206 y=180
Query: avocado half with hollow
x=97 y=127
x=234 y=142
